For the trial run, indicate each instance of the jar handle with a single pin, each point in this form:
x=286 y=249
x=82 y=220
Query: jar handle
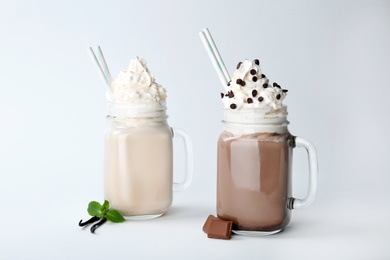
x=179 y=186
x=313 y=173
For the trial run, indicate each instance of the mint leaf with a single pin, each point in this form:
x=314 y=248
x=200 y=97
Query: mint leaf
x=114 y=216
x=95 y=209
x=105 y=207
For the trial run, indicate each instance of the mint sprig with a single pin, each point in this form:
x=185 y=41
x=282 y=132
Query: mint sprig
x=114 y=216
x=95 y=209
x=102 y=213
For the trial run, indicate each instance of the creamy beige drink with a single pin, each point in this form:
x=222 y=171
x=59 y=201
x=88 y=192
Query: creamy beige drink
x=139 y=169
x=138 y=145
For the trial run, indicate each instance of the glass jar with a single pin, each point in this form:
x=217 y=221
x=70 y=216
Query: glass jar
x=254 y=172
x=139 y=160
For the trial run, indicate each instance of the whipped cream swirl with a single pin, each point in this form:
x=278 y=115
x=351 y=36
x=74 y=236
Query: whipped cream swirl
x=250 y=89
x=136 y=85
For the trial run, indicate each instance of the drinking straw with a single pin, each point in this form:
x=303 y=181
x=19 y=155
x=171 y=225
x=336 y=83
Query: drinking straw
x=215 y=57
x=102 y=65
x=105 y=67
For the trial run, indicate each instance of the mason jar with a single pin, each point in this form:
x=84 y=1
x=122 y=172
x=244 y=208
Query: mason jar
x=139 y=160
x=254 y=181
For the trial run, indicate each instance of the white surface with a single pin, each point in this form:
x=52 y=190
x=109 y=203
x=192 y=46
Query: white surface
x=333 y=56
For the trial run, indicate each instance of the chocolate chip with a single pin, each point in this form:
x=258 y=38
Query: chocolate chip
x=263 y=76
x=257 y=62
x=253 y=72
x=249 y=100
x=254 y=93
x=233 y=106
x=238 y=65
x=260 y=99
x=242 y=83
x=278 y=96
x=238 y=81
x=265 y=85
x=276 y=85
x=254 y=78
x=285 y=90
x=229 y=82
x=230 y=94
x=222 y=95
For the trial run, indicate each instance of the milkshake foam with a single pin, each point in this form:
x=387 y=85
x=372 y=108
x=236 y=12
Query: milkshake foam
x=250 y=89
x=136 y=85
x=252 y=100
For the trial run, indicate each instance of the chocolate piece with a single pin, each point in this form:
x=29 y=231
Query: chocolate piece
x=253 y=72
x=254 y=78
x=276 y=85
x=261 y=99
x=254 y=93
x=249 y=100
x=265 y=85
x=238 y=81
x=238 y=65
x=218 y=228
x=222 y=95
x=242 y=83
x=229 y=82
x=257 y=62
x=233 y=106
x=285 y=90
x=206 y=225
x=278 y=96
x=263 y=76
x=230 y=94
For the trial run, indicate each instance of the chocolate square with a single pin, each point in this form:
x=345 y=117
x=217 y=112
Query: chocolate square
x=207 y=224
x=218 y=228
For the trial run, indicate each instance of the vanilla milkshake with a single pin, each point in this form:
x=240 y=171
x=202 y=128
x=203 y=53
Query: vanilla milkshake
x=138 y=145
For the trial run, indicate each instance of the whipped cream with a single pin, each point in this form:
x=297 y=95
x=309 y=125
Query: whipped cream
x=136 y=85
x=250 y=90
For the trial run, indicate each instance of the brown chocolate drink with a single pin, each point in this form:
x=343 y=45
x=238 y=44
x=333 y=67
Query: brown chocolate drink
x=254 y=180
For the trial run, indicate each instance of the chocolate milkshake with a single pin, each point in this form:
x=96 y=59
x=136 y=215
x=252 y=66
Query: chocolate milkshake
x=254 y=180
x=254 y=153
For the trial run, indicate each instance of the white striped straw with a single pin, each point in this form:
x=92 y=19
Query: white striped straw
x=102 y=65
x=215 y=57
x=105 y=67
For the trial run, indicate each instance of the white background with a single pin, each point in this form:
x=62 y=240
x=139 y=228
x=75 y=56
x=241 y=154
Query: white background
x=332 y=56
